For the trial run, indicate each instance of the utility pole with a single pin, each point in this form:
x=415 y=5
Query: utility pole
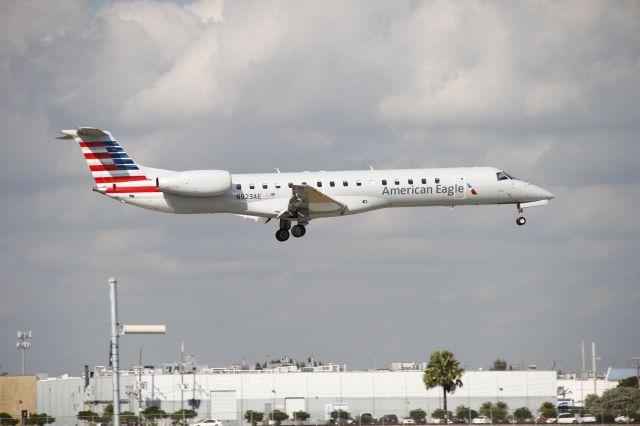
x=584 y=360
x=115 y=359
x=593 y=366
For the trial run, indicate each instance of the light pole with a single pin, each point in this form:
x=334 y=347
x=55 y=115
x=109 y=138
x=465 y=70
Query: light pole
x=23 y=343
x=118 y=329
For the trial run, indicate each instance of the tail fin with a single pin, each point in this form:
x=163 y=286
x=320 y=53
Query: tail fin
x=112 y=168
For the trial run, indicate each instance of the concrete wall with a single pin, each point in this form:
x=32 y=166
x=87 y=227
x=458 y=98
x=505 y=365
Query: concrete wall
x=17 y=393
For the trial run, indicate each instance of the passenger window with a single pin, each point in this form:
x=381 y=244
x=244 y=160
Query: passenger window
x=384 y=181
x=251 y=186
x=410 y=181
x=290 y=184
x=238 y=186
x=319 y=184
x=424 y=181
x=277 y=186
x=397 y=181
x=345 y=183
x=358 y=183
x=264 y=186
x=332 y=184
x=437 y=180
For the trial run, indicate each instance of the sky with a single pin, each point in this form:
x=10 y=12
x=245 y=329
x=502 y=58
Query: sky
x=548 y=91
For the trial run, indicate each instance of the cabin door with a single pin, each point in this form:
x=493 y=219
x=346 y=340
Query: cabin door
x=459 y=189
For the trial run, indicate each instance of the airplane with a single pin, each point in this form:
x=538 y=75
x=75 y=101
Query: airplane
x=294 y=197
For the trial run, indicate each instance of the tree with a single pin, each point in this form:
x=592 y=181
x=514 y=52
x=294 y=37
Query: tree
x=418 y=415
x=6 y=419
x=463 y=412
x=107 y=413
x=181 y=416
x=253 y=417
x=40 y=419
x=278 y=416
x=497 y=412
x=88 y=416
x=499 y=365
x=154 y=413
x=615 y=401
x=129 y=418
x=629 y=382
x=439 y=413
x=339 y=415
x=443 y=370
x=521 y=414
x=301 y=415
x=366 y=419
x=548 y=410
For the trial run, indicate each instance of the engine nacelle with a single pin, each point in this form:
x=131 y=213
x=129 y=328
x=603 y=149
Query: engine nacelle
x=198 y=183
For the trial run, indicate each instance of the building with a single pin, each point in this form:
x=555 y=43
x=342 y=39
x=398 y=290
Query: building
x=17 y=393
x=226 y=394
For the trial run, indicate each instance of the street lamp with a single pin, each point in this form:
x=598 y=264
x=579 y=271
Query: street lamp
x=23 y=343
x=118 y=329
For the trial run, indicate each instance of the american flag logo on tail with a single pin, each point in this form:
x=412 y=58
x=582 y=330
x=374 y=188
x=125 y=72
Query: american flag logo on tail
x=112 y=168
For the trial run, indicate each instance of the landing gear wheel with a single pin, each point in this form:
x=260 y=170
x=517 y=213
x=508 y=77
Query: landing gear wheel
x=521 y=220
x=298 y=231
x=282 y=235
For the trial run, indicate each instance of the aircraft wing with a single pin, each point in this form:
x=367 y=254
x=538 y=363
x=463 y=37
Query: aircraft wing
x=306 y=200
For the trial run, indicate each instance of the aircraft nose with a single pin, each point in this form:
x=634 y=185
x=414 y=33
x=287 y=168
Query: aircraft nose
x=541 y=193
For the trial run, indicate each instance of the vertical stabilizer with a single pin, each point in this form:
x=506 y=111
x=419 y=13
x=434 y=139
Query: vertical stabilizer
x=112 y=168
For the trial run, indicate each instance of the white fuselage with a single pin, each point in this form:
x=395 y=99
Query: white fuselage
x=266 y=194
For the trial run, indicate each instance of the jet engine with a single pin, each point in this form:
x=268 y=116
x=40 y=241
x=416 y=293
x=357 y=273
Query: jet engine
x=198 y=183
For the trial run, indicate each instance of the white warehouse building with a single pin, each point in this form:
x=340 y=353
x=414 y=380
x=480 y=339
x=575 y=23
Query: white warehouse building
x=227 y=394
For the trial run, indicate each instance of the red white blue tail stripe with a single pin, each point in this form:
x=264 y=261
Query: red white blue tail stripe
x=112 y=168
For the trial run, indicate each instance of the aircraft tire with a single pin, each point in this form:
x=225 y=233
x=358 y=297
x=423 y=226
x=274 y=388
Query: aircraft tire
x=521 y=220
x=282 y=235
x=298 y=231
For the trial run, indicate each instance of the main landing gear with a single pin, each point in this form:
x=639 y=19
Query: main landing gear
x=297 y=231
x=520 y=220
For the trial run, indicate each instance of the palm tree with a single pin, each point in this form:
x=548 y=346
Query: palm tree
x=445 y=371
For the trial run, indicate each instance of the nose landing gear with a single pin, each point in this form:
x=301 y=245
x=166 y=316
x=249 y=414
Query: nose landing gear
x=520 y=220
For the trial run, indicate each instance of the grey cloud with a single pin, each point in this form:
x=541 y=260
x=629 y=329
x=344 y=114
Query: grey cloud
x=544 y=90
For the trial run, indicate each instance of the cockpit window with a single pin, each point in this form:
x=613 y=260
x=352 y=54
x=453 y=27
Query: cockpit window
x=504 y=176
